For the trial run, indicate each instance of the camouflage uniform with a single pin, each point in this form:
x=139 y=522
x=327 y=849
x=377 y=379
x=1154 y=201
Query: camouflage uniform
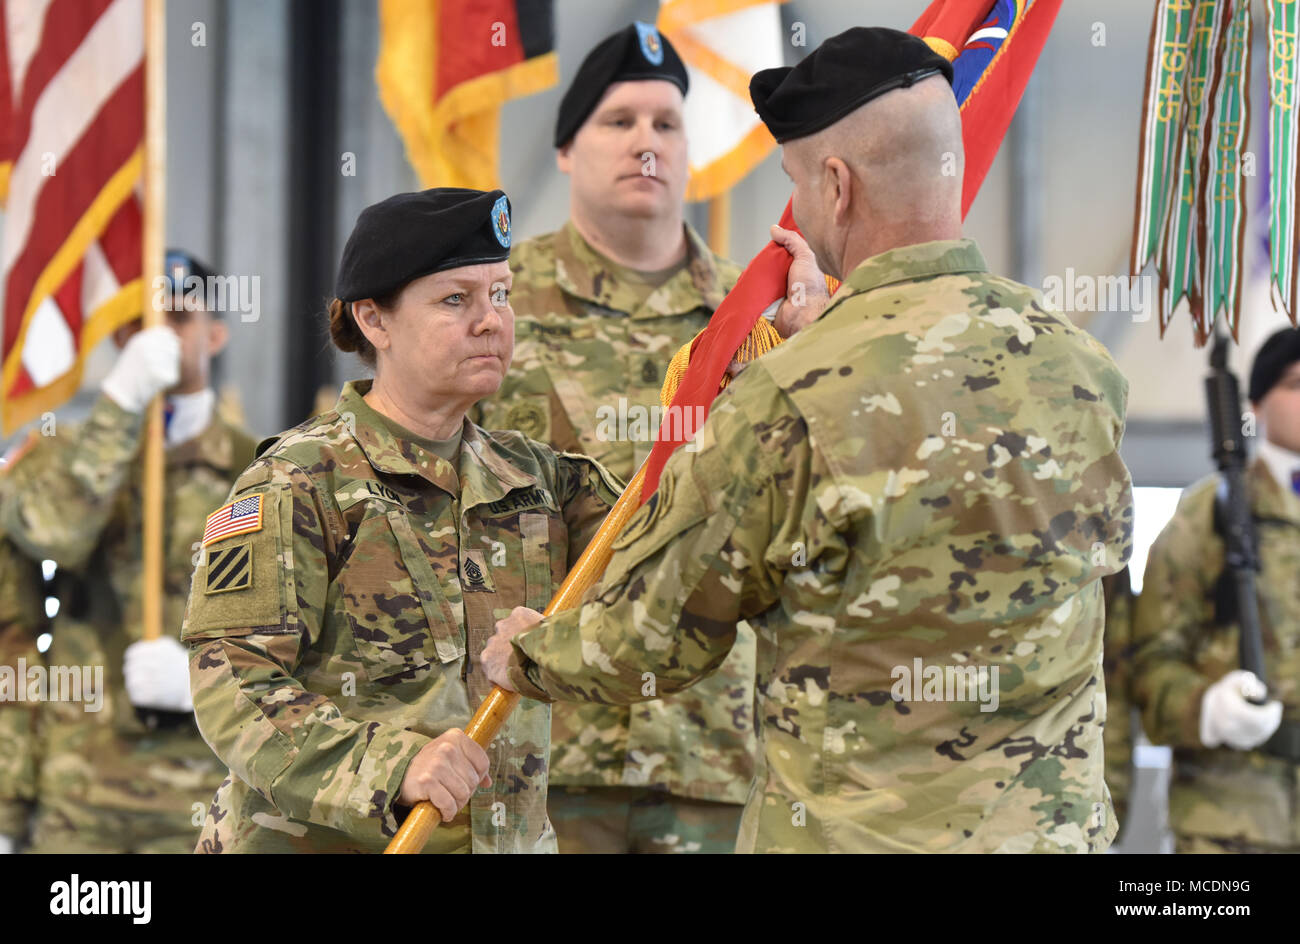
x=928 y=472
x=1118 y=663
x=107 y=783
x=1220 y=799
x=586 y=338
x=330 y=644
x=22 y=615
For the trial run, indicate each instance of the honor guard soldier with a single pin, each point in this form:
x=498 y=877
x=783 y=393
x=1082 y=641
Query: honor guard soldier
x=109 y=781
x=603 y=304
x=913 y=500
x=354 y=573
x=1233 y=784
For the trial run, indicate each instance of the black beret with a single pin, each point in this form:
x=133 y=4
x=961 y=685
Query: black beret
x=414 y=234
x=841 y=74
x=179 y=265
x=636 y=52
x=1275 y=355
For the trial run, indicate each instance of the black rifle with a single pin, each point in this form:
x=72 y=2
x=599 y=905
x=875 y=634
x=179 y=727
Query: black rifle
x=1232 y=506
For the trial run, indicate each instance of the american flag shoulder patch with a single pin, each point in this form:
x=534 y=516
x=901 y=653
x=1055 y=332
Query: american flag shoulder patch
x=239 y=517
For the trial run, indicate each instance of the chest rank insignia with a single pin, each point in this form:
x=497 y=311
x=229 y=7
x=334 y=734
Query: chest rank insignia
x=473 y=576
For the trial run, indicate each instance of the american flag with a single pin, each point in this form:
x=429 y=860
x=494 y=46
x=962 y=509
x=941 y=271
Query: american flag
x=71 y=132
x=238 y=517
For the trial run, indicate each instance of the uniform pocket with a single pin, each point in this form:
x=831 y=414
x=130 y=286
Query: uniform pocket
x=399 y=617
x=535 y=530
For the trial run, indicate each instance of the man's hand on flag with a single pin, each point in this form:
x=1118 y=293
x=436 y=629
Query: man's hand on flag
x=496 y=654
x=806 y=296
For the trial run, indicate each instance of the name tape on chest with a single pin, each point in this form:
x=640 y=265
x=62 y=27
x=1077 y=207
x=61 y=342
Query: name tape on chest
x=243 y=516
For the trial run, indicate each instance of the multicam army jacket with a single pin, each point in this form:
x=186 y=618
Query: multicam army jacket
x=589 y=363
x=335 y=621
x=22 y=615
x=75 y=498
x=914 y=501
x=1182 y=649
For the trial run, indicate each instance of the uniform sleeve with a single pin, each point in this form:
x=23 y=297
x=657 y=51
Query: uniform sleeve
x=62 y=493
x=702 y=553
x=293 y=746
x=587 y=492
x=20 y=618
x=1171 y=615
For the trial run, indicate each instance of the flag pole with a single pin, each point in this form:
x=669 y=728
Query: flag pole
x=155 y=194
x=720 y=224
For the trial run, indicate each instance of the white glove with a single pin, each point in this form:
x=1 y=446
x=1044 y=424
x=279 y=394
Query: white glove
x=1227 y=718
x=6 y=845
x=158 y=674
x=149 y=364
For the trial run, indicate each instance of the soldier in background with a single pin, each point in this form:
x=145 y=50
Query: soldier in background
x=925 y=477
x=22 y=617
x=602 y=305
x=1117 y=654
x=108 y=781
x=1233 y=783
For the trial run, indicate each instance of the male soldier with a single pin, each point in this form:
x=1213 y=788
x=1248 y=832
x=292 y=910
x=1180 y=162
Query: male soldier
x=602 y=305
x=21 y=618
x=913 y=500
x=1233 y=785
x=108 y=782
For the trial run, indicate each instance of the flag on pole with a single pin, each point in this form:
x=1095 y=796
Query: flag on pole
x=723 y=43
x=445 y=69
x=73 y=110
x=1284 y=140
x=993 y=47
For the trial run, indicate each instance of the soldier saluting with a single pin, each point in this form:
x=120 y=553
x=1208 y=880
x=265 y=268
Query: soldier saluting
x=355 y=573
x=941 y=451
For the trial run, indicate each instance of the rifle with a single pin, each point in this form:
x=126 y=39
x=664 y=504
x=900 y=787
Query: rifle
x=1232 y=506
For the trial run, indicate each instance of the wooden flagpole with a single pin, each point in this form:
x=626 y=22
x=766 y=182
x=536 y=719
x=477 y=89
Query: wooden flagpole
x=720 y=224
x=155 y=201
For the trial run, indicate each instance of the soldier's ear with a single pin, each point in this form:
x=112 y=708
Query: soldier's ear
x=564 y=158
x=218 y=336
x=370 y=320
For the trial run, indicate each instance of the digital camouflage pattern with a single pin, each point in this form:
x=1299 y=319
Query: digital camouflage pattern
x=1236 y=800
x=1117 y=659
x=929 y=471
x=75 y=498
x=586 y=339
x=22 y=616
x=364 y=600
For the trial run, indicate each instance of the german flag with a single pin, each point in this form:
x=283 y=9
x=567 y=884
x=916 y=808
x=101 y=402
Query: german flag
x=445 y=69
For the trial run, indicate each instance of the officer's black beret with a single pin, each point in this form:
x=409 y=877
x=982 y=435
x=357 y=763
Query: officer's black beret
x=637 y=52
x=841 y=74
x=179 y=265
x=414 y=234
x=1279 y=352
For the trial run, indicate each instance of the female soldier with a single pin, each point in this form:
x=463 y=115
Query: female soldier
x=349 y=585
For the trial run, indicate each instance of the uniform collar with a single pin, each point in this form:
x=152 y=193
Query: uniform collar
x=482 y=475
x=1269 y=499
x=215 y=446
x=581 y=271
x=909 y=263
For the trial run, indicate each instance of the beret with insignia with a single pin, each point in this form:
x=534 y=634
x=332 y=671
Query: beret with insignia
x=840 y=75
x=414 y=234
x=1275 y=356
x=634 y=53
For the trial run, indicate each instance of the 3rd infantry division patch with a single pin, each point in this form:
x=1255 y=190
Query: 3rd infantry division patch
x=230 y=568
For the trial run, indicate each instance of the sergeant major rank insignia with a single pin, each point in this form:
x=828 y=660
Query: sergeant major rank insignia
x=651 y=47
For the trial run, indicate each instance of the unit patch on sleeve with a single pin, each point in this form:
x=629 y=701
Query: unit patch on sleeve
x=230 y=568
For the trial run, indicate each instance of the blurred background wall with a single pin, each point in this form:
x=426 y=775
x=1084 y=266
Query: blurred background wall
x=268 y=114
